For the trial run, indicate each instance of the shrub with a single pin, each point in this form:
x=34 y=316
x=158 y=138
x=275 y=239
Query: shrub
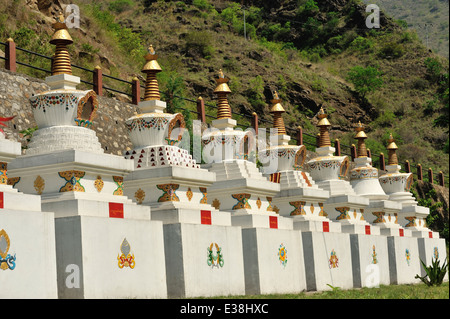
x=365 y=80
x=434 y=69
x=361 y=44
x=199 y=43
x=434 y=272
x=119 y=6
x=392 y=50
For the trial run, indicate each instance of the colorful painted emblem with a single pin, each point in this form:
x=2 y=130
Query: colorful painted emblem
x=216 y=203
x=73 y=179
x=333 y=262
x=119 y=182
x=374 y=255
x=6 y=260
x=169 y=193
x=242 y=201
x=436 y=253
x=189 y=194
x=282 y=255
x=39 y=185
x=3 y=173
x=343 y=213
x=298 y=208
x=204 y=199
x=139 y=195
x=98 y=184
x=125 y=259
x=215 y=257
x=408 y=256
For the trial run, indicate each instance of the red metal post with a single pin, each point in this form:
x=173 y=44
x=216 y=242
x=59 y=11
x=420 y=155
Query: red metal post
x=255 y=122
x=98 y=80
x=299 y=136
x=10 y=55
x=201 y=115
x=337 y=146
x=136 y=90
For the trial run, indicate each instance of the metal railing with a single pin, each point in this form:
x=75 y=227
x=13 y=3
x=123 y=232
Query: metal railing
x=296 y=134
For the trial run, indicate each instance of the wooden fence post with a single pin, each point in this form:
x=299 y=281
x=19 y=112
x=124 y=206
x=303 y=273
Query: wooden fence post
x=419 y=172
x=299 y=135
x=441 y=178
x=201 y=115
x=136 y=90
x=382 y=162
x=407 y=167
x=255 y=122
x=337 y=146
x=353 y=152
x=98 y=80
x=10 y=55
x=430 y=175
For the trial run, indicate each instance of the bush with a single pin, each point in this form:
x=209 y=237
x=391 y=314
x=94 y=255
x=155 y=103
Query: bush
x=199 y=43
x=392 y=50
x=434 y=69
x=434 y=272
x=361 y=44
x=119 y=6
x=365 y=80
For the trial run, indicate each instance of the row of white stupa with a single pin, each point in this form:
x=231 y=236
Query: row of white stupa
x=96 y=197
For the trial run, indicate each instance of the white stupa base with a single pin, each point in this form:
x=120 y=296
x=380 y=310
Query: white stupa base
x=404 y=260
x=431 y=249
x=88 y=253
x=370 y=260
x=273 y=261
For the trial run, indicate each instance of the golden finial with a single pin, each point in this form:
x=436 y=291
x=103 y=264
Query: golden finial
x=361 y=136
x=392 y=148
x=61 y=38
x=222 y=90
x=277 y=111
x=324 y=125
x=151 y=68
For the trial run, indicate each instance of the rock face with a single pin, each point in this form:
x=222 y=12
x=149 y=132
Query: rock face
x=16 y=89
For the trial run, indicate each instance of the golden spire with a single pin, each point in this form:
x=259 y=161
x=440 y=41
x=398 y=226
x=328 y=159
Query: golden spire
x=151 y=68
x=277 y=110
x=61 y=38
x=392 y=148
x=324 y=125
x=222 y=90
x=361 y=136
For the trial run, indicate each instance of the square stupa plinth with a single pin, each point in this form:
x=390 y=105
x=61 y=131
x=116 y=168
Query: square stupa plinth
x=27 y=238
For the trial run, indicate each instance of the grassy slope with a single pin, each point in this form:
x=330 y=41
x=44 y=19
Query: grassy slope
x=306 y=85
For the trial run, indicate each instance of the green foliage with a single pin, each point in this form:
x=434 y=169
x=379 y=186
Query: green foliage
x=203 y=5
x=365 y=80
x=128 y=41
x=172 y=87
x=119 y=6
x=434 y=273
x=361 y=44
x=199 y=43
x=308 y=7
x=392 y=50
x=434 y=69
x=255 y=92
x=28 y=134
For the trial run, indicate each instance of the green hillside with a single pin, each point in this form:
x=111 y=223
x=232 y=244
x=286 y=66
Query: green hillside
x=313 y=52
x=430 y=18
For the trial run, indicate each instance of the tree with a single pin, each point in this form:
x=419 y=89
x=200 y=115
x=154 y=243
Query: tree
x=365 y=80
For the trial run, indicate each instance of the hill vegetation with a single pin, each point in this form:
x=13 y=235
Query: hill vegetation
x=313 y=53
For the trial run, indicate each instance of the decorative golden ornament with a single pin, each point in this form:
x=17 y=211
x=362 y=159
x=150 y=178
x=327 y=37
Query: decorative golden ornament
x=258 y=203
x=98 y=184
x=3 y=172
x=216 y=203
x=392 y=148
x=39 y=184
x=361 y=136
x=151 y=68
x=324 y=125
x=139 y=196
x=61 y=38
x=277 y=111
x=189 y=194
x=222 y=90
